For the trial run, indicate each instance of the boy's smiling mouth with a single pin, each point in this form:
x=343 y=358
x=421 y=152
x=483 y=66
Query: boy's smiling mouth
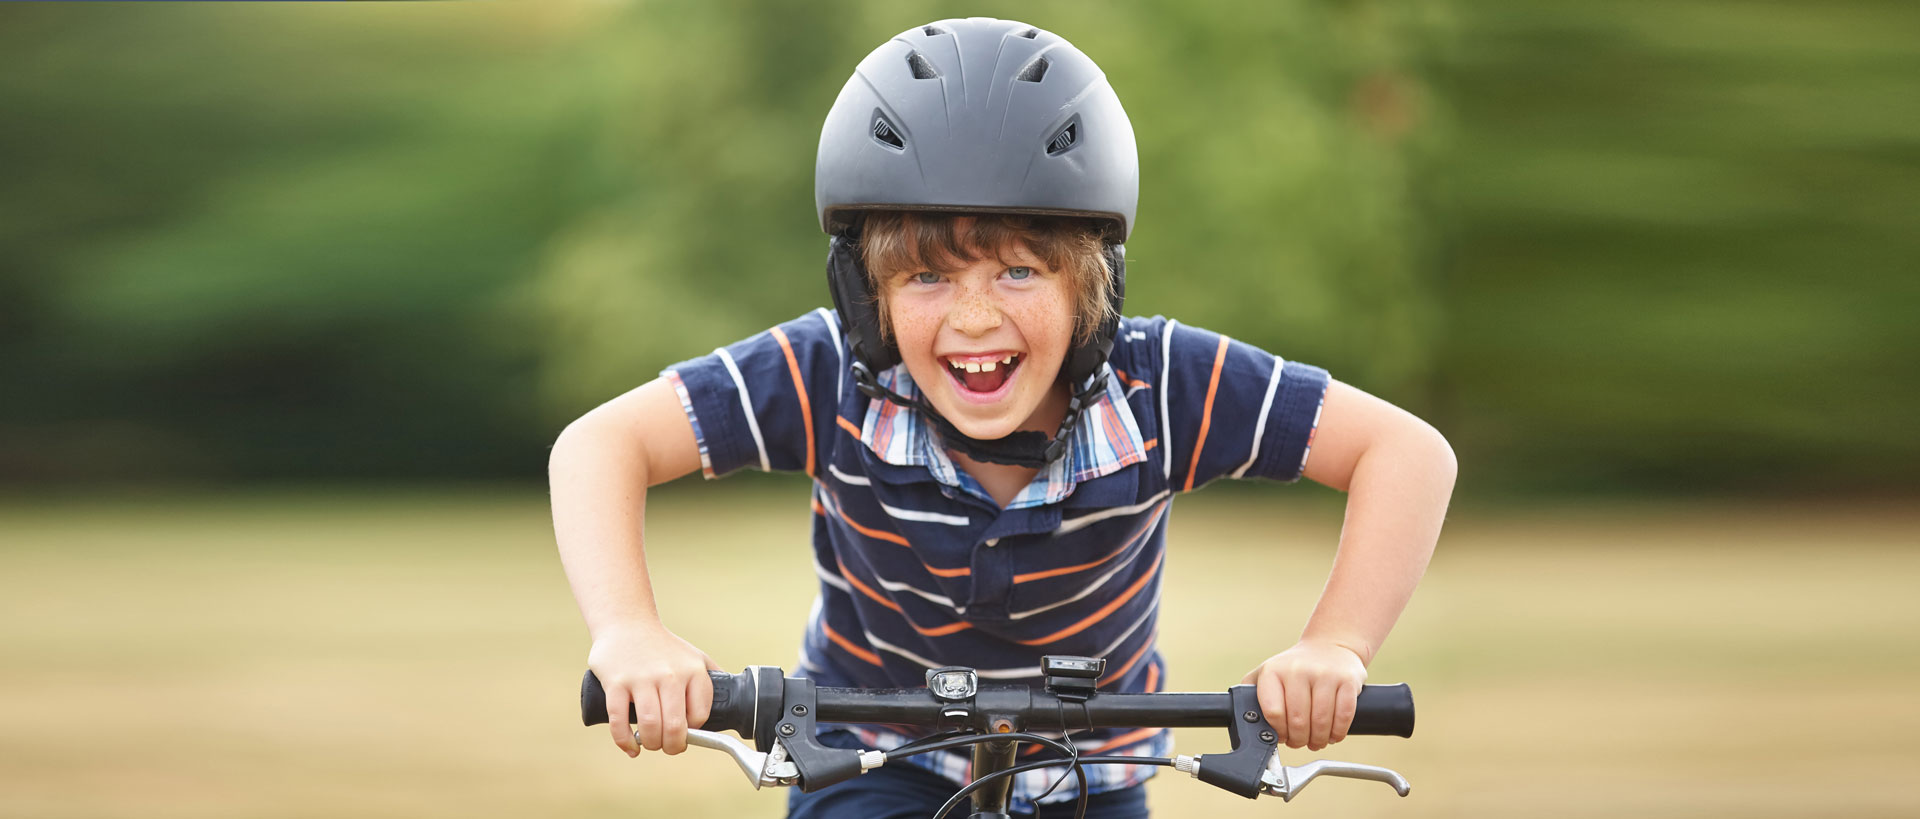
x=982 y=377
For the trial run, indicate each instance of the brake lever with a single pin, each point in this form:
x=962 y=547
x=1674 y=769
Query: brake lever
x=763 y=770
x=1285 y=781
x=770 y=769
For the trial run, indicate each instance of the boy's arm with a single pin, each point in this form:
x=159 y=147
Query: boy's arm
x=1398 y=473
x=599 y=471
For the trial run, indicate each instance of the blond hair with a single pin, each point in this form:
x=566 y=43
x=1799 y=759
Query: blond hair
x=894 y=242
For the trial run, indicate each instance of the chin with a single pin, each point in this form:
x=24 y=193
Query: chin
x=983 y=430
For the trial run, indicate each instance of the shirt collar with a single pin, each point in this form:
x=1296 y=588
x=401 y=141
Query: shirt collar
x=1105 y=440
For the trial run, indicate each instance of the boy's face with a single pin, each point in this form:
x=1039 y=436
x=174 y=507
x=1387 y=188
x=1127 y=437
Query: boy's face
x=985 y=343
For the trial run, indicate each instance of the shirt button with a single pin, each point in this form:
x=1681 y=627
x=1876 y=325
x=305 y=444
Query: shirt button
x=992 y=542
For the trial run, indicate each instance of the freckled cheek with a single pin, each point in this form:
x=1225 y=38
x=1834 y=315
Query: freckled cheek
x=1045 y=319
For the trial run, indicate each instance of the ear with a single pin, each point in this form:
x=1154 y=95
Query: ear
x=857 y=304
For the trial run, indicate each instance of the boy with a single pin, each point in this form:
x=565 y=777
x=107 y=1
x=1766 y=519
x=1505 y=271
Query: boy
x=993 y=451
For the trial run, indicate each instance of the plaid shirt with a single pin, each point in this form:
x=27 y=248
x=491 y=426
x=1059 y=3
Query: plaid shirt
x=918 y=567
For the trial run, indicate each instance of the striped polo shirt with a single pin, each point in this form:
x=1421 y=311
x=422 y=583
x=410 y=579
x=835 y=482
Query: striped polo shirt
x=918 y=567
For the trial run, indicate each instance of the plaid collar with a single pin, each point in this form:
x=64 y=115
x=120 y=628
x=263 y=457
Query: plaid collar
x=1106 y=440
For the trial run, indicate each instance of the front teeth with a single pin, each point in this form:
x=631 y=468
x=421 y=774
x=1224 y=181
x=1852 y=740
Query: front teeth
x=982 y=366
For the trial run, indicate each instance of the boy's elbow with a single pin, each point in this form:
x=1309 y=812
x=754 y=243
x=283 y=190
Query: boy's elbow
x=574 y=439
x=1444 y=464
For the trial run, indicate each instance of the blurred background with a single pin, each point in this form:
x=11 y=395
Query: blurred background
x=293 y=299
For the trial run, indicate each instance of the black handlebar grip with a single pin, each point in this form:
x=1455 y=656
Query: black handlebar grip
x=732 y=708
x=1383 y=711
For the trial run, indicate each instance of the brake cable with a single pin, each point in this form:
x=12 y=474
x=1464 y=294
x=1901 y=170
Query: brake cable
x=1047 y=763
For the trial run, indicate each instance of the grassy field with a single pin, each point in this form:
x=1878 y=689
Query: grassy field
x=411 y=654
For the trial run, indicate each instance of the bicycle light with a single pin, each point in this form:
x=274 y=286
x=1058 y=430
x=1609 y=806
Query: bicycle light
x=953 y=683
x=1072 y=678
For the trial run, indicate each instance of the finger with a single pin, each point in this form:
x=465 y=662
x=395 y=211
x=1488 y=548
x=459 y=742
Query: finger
x=646 y=706
x=699 y=700
x=711 y=665
x=1273 y=702
x=1299 y=712
x=1345 y=703
x=673 y=716
x=1325 y=694
x=617 y=702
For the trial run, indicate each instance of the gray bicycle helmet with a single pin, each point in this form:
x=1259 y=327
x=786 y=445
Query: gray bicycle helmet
x=976 y=115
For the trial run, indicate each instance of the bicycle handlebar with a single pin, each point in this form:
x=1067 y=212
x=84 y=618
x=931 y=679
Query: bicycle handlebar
x=1382 y=710
x=780 y=713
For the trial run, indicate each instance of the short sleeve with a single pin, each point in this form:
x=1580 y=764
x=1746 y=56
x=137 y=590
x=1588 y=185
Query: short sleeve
x=766 y=402
x=1230 y=409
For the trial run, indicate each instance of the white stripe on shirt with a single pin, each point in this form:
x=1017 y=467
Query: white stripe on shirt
x=833 y=330
x=830 y=578
x=1076 y=524
x=1091 y=587
x=850 y=480
x=1260 y=429
x=927 y=517
x=1166 y=432
x=746 y=406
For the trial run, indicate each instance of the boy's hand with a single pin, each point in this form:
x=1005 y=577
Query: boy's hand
x=1308 y=692
x=662 y=676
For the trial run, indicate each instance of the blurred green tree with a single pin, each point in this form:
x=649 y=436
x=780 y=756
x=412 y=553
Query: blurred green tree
x=1656 y=246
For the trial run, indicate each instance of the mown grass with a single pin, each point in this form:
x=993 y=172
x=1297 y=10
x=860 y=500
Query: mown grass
x=415 y=654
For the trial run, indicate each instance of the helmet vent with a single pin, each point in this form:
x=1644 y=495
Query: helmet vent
x=885 y=134
x=1030 y=33
x=1064 y=139
x=922 y=67
x=933 y=31
x=1034 y=72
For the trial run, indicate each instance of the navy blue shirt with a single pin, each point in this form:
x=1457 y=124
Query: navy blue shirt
x=920 y=568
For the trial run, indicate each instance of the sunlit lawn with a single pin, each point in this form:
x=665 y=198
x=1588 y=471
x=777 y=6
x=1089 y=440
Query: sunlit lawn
x=410 y=654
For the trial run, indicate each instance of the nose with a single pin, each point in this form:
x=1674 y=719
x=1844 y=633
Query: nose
x=975 y=313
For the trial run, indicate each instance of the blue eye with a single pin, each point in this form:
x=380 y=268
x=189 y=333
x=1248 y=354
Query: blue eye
x=927 y=277
x=1018 y=273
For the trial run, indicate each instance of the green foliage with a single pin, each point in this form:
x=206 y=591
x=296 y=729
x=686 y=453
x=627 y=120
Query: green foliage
x=1646 y=246
x=1680 y=244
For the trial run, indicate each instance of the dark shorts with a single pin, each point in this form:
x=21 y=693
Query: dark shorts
x=903 y=791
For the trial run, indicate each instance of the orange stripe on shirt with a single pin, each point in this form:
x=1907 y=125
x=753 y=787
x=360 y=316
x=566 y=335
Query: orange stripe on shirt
x=1105 y=610
x=1151 y=443
x=1153 y=677
x=1124 y=546
x=1206 y=415
x=877 y=534
x=800 y=389
x=936 y=631
x=848 y=426
x=890 y=537
x=843 y=642
x=855 y=582
x=1115 y=675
